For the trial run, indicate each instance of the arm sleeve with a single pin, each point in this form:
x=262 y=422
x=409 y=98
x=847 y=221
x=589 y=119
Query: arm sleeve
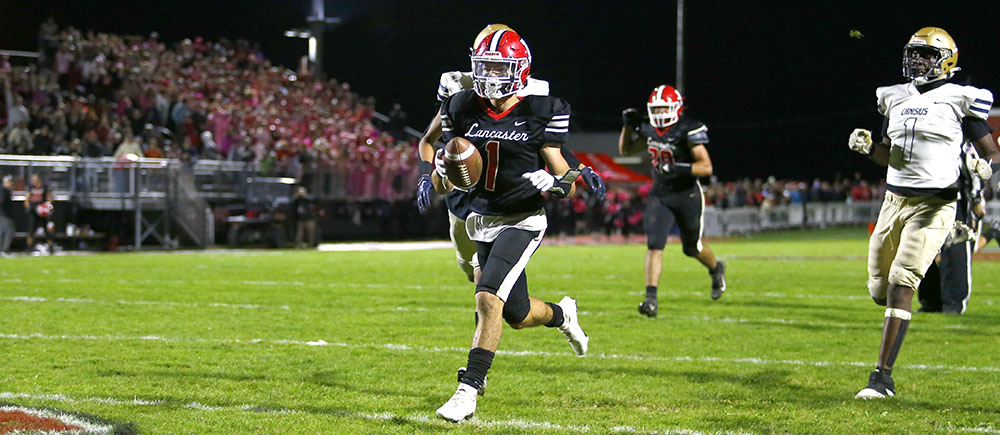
x=975 y=127
x=977 y=103
x=571 y=159
x=558 y=127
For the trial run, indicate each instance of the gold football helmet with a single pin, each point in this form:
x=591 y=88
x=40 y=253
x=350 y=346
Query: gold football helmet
x=930 y=55
x=490 y=28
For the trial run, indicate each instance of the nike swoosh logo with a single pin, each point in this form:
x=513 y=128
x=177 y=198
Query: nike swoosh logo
x=519 y=123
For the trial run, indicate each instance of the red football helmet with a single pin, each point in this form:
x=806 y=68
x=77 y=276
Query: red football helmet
x=500 y=64
x=44 y=209
x=664 y=96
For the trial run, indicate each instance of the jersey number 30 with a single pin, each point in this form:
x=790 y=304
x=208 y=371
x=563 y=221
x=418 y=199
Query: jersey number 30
x=660 y=157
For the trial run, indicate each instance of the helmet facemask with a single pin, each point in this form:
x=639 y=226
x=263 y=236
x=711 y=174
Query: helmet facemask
x=925 y=64
x=664 y=106
x=495 y=76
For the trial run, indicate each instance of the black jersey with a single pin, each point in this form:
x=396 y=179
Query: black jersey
x=510 y=144
x=673 y=145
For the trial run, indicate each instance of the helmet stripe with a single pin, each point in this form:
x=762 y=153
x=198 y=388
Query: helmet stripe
x=495 y=41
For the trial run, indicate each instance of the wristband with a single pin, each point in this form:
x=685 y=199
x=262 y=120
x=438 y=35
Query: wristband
x=682 y=168
x=564 y=185
x=425 y=168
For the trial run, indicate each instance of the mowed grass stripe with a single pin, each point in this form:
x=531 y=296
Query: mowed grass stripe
x=522 y=353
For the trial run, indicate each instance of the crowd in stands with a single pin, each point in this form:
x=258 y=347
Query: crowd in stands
x=101 y=95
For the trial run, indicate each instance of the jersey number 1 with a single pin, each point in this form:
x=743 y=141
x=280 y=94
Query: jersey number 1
x=493 y=154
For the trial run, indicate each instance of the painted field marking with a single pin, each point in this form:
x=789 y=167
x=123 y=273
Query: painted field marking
x=70 y=420
x=273 y=283
x=406 y=347
x=381 y=416
x=708 y=319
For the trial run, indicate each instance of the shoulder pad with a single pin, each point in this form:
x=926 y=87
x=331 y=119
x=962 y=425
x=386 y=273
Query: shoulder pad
x=886 y=96
x=534 y=87
x=976 y=102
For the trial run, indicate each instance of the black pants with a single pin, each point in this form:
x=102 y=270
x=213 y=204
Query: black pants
x=947 y=284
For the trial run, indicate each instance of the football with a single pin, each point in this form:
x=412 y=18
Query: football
x=462 y=163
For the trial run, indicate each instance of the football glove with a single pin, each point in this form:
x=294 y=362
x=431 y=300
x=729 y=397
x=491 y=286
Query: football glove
x=542 y=180
x=439 y=164
x=558 y=187
x=960 y=233
x=980 y=167
x=596 y=184
x=424 y=193
x=860 y=141
x=631 y=118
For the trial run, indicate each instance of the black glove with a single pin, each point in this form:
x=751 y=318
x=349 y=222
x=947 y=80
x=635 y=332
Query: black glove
x=631 y=118
x=596 y=184
x=424 y=193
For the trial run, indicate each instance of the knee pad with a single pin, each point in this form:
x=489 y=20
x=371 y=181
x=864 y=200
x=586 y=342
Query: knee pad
x=877 y=288
x=514 y=312
x=691 y=249
x=904 y=277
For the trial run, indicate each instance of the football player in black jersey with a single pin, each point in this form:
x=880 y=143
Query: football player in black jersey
x=676 y=145
x=456 y=200
x=517 y=138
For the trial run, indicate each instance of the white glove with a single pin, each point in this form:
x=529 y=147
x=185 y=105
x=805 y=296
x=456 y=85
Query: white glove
x=439 y=163
x=980 y=167
x=452 y=82
x=542 y=180
x=860 y=141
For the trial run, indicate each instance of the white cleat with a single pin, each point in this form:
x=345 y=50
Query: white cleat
x=869 y=393
x=571 y=327
x=461 y=405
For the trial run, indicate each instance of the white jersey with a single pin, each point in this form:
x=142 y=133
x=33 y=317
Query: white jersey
x=453 y=82
x=925 y=131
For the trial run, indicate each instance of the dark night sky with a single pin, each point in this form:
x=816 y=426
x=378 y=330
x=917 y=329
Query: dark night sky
x=780 y=86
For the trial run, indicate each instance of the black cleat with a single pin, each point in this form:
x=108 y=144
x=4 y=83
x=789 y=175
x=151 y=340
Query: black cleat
x=992 y=233
x=880 y=386
x=718 y=280
x=648 y=307
x=461 y=373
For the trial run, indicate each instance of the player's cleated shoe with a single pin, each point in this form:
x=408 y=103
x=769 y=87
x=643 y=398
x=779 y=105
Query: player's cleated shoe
x=648 y=307
x=880 y=386
x=461 y=373
x=993 y=232
x=578 y=339
x=461 y=405
x=718 y=280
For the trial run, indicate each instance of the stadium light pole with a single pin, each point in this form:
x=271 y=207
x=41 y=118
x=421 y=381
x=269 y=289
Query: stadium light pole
x=679 y=67
x=318 y=23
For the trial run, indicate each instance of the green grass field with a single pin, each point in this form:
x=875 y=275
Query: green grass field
x=368 y=342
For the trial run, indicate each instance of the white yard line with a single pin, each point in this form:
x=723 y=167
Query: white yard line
x=410 y=348
x=381 y=416
x=708 y=319
x=737 y=294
